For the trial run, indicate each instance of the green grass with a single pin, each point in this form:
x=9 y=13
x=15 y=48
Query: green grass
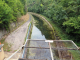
x=58 y=30
x=2 y=40
x=75 y=54
x=62 y=35
x=6 y=46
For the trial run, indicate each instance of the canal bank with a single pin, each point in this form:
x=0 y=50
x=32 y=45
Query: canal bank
x=17 y=38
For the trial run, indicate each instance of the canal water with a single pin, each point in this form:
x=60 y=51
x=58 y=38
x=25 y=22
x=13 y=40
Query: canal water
x=40 y=30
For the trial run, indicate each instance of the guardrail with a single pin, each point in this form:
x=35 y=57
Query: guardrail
x=30 y=26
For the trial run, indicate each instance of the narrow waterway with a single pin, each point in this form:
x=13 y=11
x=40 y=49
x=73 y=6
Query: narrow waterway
x=41 y=30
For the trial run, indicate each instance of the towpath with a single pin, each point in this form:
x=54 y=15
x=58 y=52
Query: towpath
x=17 y=38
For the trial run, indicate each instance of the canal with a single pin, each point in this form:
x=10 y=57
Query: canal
x=40 y=30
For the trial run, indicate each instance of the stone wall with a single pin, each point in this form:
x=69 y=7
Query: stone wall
x=2 y=33
x=13 y=26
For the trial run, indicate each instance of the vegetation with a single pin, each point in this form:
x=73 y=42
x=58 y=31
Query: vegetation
x=64 y=13
x=10 y=10
x=6 y=45
x=42 y=25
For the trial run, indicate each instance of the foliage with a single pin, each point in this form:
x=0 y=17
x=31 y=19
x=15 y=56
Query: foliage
x=9 y=11
x=65 y=13
x=5 y=15
x=24 y=4
x=37 y=5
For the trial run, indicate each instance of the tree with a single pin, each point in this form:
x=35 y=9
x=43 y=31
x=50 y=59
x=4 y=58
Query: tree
x=65 y=13
x=10 y=11
x=5 y=15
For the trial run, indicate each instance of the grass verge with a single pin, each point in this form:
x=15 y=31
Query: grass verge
x=75 y=54
x=6 y=46
x=64 y=36
x=59 y=31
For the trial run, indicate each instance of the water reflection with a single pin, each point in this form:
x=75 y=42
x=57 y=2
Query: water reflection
x=41 y=30
x=36 y=33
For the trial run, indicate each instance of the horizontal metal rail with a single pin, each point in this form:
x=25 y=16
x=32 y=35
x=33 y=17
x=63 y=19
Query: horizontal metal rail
x=56 y=41
x=30 y=59
x=53 y=48
x=44 y=40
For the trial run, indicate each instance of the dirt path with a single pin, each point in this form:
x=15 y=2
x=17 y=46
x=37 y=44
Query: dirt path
x=16 y=38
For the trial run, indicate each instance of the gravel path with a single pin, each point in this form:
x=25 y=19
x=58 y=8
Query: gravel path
x=17 y=38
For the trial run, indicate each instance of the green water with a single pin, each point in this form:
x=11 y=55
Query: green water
x=41 y=30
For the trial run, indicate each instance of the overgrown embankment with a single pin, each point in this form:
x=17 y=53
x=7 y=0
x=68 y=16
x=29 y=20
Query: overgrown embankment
x=24 y=20
x=13 y=26
x=10 y=12
x=59 y=33
x=62 y=35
